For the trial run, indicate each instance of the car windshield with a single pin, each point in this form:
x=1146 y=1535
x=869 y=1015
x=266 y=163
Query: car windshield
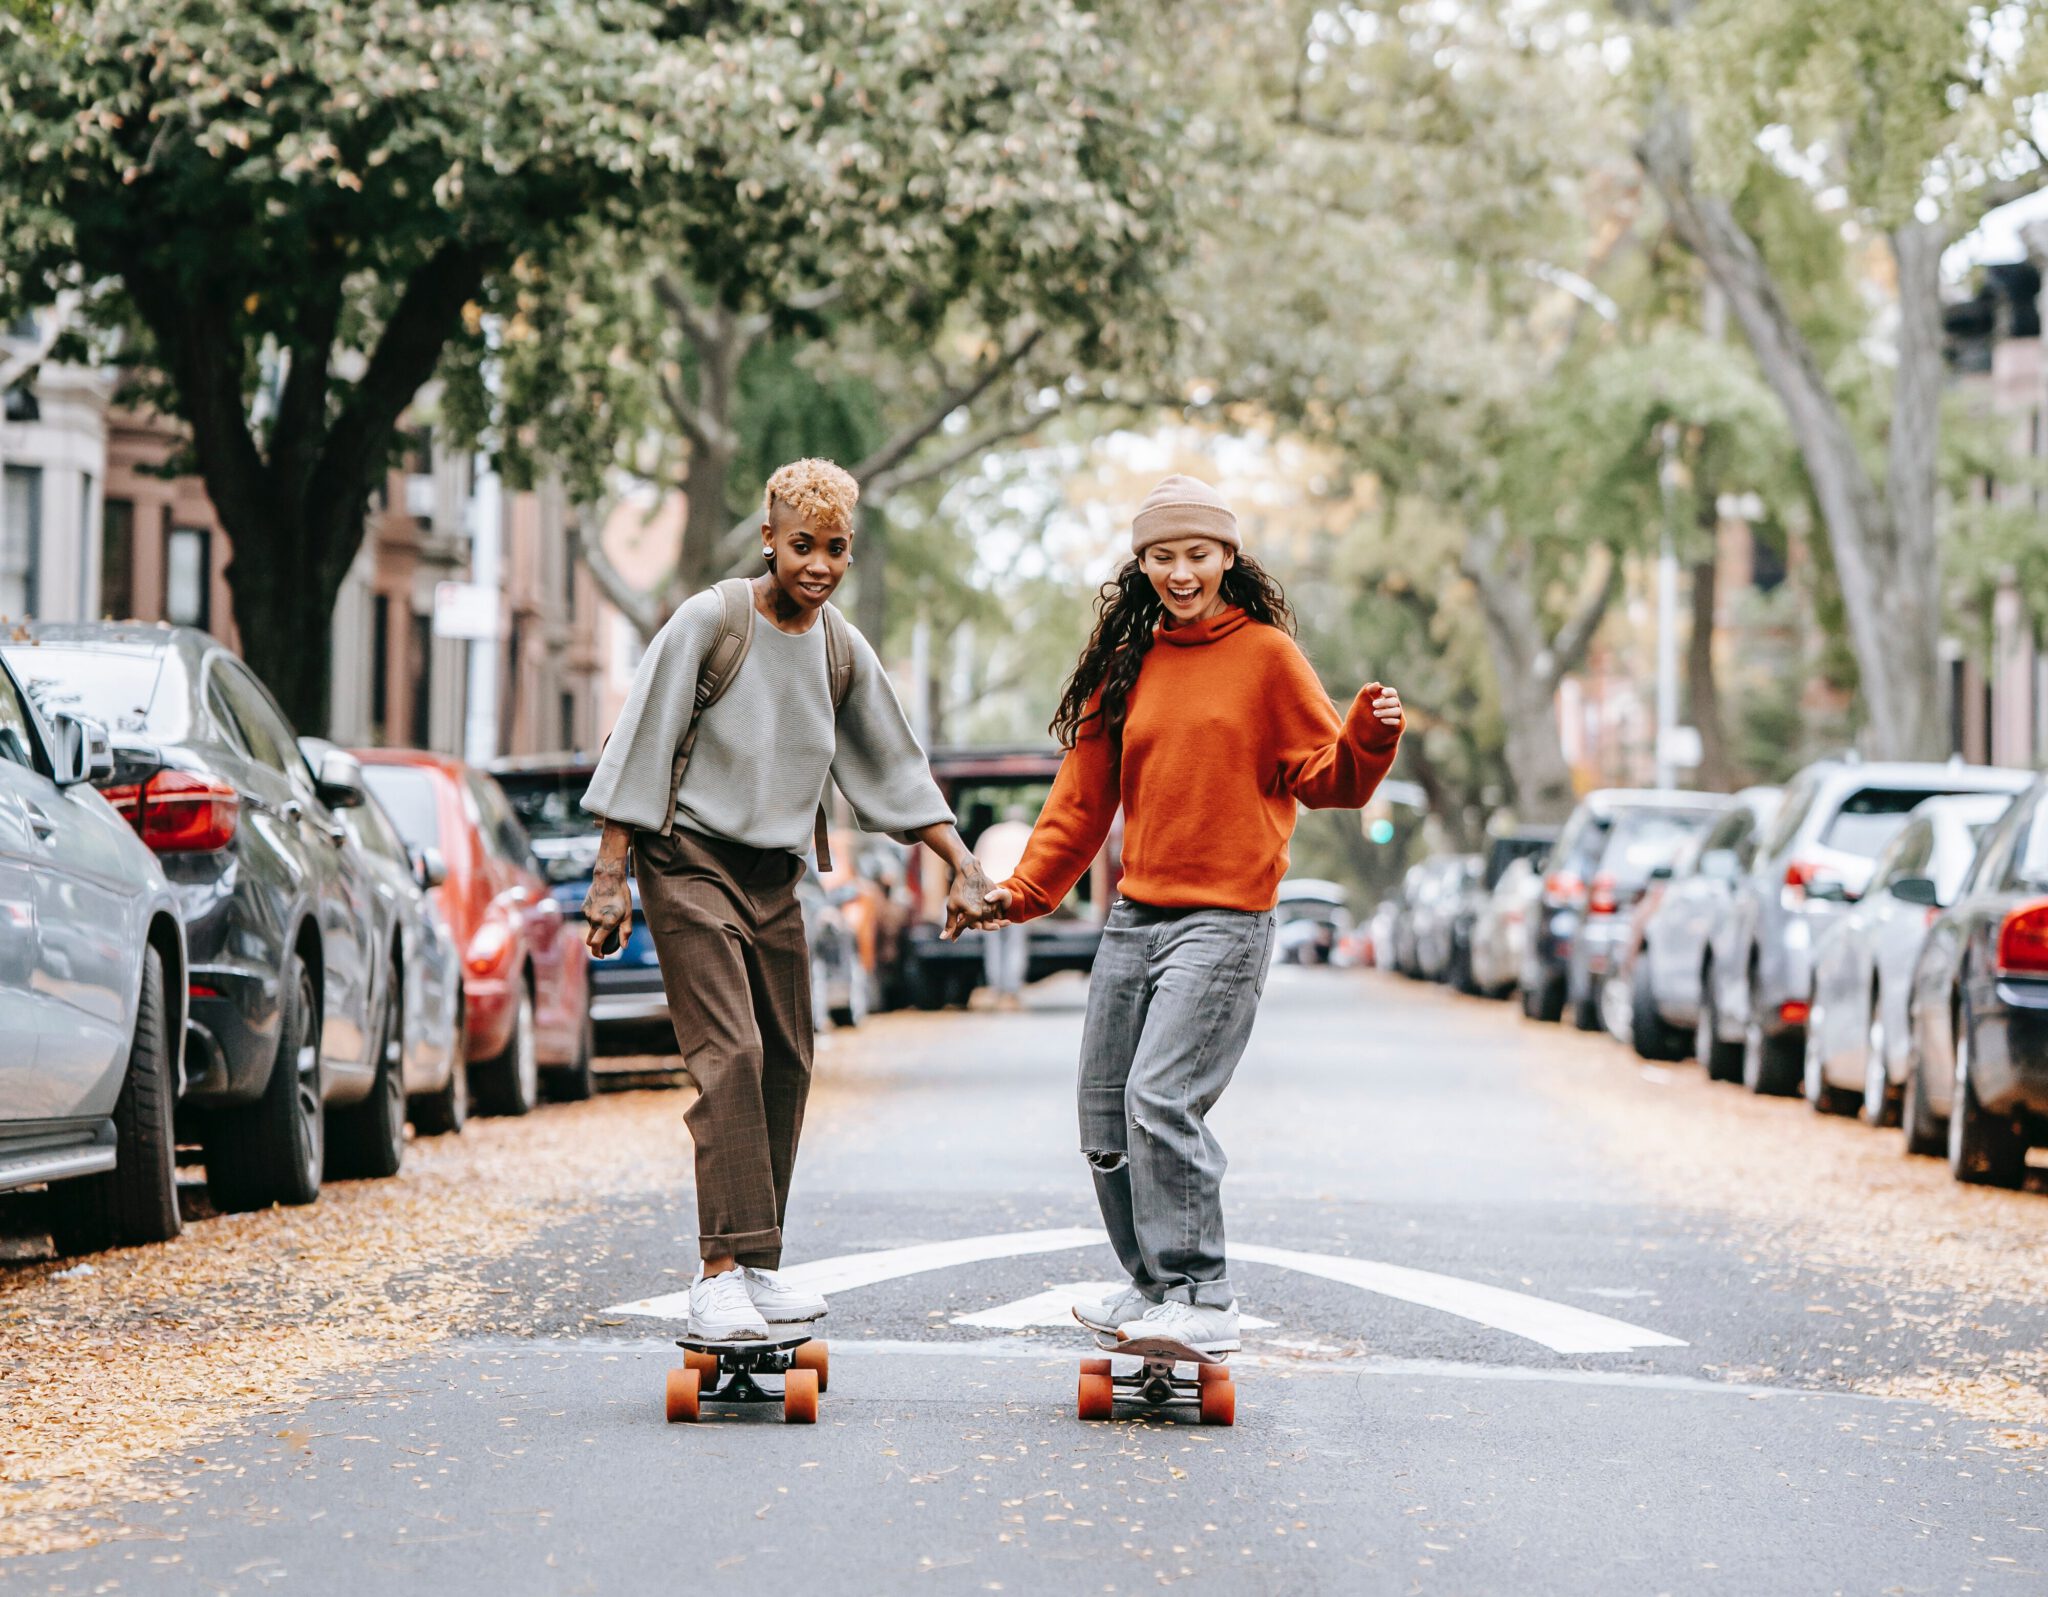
x=1645 y=839
x=124 y=687
x=1870 y=818
x=549 y=803
x=408 y=796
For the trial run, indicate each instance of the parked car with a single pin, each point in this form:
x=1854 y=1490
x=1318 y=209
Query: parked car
x=1643 y=840
x=431 y=1082
x=1837 y=815
x=1856 y=1037
x=290 y=995
x=1414 y=881
x=546 y=792
x=1663 y=975
x=1380 y=933
x=1475 y=894
x=839 y=984
x=1312 y=921
x=1500 y=934
x=1436 y=904
x=525 y=986
x=1977 y=1010
x=92 y=991
x=980 y=785
x=1551 y=974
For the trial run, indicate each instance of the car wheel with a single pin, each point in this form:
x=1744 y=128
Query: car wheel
x=1545 y=1001
x=575 y=1081
x=1586 y=1006
x=510 y=1083
x=1770 y=1065
x=272 y=1150
x=1722 y=1061
x=1924 y=1130
x=137 y=1200
x=1652 y=1036
x=1879 y=1107
x=855 y=1009
x=437 y=1113
x=366 y=1140
x=1824 y=1097
x=1983 y=1149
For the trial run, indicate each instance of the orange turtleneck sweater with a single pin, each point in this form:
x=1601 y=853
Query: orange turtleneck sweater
x=1228 y=731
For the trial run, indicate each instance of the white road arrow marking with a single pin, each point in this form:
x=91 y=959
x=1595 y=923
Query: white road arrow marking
x=1056 y=1307
x=1557 y=1326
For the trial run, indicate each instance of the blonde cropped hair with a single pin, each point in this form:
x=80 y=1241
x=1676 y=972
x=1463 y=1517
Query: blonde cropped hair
x=817 y=490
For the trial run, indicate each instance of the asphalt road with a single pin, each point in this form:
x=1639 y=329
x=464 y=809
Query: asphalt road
x=1504 y=1356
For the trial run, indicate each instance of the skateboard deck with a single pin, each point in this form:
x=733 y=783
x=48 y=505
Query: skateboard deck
x=1158 y=1383
x=725 y=1371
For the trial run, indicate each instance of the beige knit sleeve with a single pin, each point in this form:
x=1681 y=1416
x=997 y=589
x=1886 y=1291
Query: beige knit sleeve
x=633 y=781
x=880 y=766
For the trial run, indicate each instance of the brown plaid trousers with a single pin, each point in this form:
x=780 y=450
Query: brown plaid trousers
x=730 y=936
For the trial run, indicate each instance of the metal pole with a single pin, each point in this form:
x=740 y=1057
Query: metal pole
x=1667 y=605
x=486 y=533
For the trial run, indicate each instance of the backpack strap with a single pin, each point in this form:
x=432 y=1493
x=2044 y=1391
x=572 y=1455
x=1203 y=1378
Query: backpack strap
x=839 y=675
x=721 y=664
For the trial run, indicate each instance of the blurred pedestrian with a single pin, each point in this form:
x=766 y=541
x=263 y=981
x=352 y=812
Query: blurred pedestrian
x=1007 y=950
x=748 y=701
x=1193 y=709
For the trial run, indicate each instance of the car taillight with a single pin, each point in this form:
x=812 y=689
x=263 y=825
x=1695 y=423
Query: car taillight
x=1601 y=900
x=1561 y=887
x=1793 y=1013
x=179 y=812
x=1799 y=876
x=2023 y=941
x=487 y=948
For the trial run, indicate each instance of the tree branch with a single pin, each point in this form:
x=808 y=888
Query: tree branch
x=1569 y=647
x=641 y=609
x=898 y=448
x=19 y=367
x=881 y=486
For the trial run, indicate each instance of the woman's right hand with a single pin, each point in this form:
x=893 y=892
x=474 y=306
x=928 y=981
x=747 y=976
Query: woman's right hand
x=606 y=907
x=997 y=910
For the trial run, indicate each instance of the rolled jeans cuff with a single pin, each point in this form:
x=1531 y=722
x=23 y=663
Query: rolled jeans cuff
x=1216 y=1294
x=762 y=1250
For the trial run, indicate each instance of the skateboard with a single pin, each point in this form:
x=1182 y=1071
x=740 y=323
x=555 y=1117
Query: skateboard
x=1158 y=1383
x=723 y=1372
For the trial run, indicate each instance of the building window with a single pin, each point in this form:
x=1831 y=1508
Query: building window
x=422 y=667
x=22 y=404
x=568 y=728
x=21 y=539
x=117 y=559
x=380 y=669
x=188 y=577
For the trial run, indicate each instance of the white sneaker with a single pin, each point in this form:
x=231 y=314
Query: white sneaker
x=1193 y=1324
x=1106 y=1314
x=722 y=1311
x=781 y=1302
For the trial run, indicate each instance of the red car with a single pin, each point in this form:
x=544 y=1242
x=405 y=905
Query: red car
x=525 y=976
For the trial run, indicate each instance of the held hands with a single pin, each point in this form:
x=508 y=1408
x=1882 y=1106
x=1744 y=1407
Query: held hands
x=967 y=903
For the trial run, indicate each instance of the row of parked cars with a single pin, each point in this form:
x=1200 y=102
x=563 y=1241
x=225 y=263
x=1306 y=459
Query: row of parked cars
x=225 y=943
x=1873 y=937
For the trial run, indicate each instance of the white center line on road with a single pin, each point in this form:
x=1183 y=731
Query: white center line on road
x=1557 y=1326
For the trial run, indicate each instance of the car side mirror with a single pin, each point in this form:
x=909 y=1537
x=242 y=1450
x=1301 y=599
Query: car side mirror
x=80 y=751
x=1661 y=873
x=429 y=867
x=340 y=783
x=1915 y=890
x=1827 y=890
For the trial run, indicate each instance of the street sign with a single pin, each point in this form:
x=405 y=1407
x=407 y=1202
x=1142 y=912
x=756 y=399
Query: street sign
x=1680 y=746
x=467 y=611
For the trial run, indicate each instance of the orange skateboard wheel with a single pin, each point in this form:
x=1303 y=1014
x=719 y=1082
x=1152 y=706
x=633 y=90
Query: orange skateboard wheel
x=682 y=1395
x=1097 y=1399
x=1095 y=1366
x=1219 y=1403
x=800 y=1397
x=705 y=1364
x=814 y=1356
x=1209 y=1373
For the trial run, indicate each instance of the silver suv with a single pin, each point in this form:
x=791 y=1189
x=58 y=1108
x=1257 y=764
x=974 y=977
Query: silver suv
x=1814 y=860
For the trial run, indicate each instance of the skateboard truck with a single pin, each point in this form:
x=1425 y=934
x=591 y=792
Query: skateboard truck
x=724 y=1372
x=1158 y=1383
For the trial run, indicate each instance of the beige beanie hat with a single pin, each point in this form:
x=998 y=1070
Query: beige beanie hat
x=1182 y=507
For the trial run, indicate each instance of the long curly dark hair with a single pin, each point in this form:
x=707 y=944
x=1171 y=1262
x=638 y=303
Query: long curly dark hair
x=1126 y=612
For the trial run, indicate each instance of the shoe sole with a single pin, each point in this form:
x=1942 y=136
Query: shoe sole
x=744 y=1334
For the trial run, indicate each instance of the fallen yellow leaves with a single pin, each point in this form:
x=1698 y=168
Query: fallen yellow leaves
x=162 y=1346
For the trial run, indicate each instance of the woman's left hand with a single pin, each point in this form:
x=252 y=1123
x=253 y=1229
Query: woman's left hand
x=1386 y=706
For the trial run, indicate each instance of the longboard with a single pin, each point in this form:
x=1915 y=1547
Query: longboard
x=1157 y=1383
x=723 y=1372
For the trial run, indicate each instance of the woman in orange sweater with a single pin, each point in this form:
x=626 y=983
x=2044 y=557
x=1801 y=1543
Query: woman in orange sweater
x=1193 y=709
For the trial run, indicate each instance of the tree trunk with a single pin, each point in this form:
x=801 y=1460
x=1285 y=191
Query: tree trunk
x=1703 y=695
x=1885 y=566
x=285 y=574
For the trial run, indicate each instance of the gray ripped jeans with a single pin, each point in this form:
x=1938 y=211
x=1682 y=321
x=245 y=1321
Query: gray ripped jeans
x=1170 y=1008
